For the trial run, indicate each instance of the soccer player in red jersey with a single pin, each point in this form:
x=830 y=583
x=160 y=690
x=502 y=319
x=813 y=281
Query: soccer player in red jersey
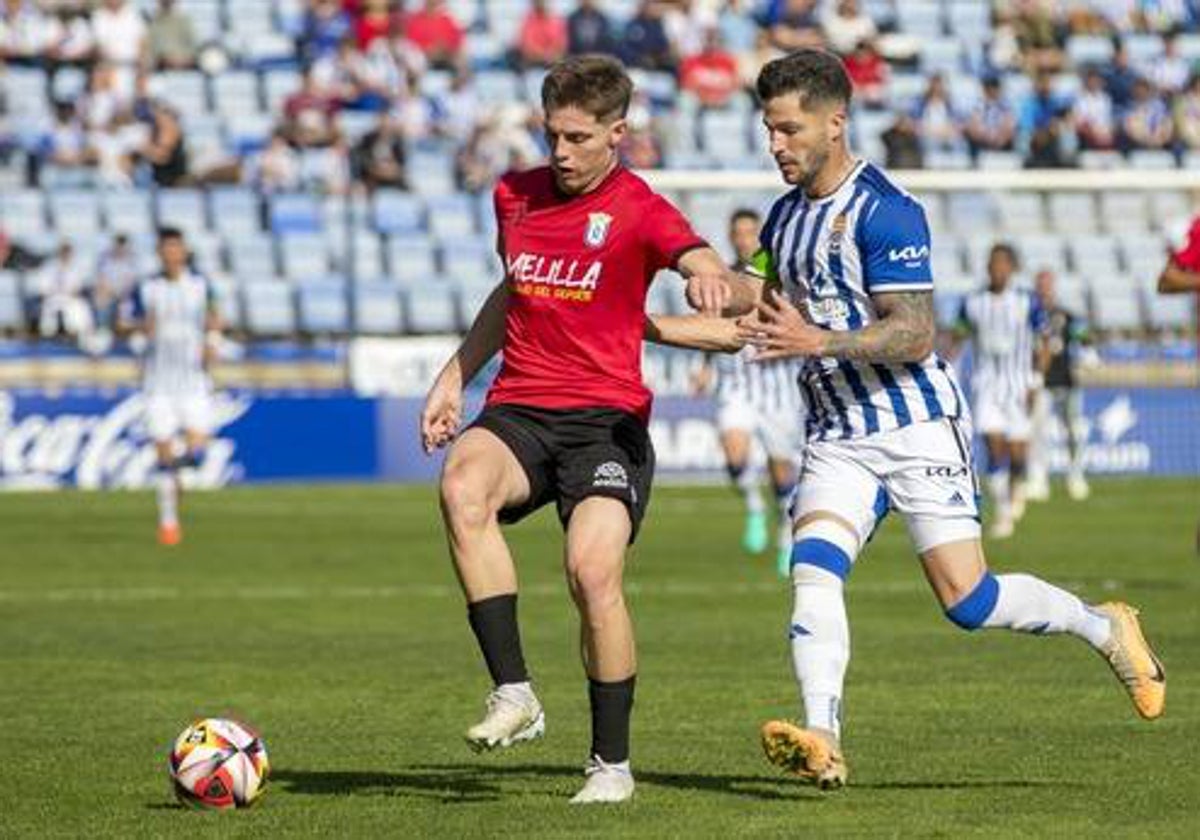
x=565 y=420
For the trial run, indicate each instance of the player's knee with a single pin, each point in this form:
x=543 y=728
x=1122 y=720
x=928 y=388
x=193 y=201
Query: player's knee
x=465 y=502
x=825 y=546
x=594 y=585
x=974 y=609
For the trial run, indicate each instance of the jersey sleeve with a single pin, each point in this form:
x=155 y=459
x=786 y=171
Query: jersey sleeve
x=893 y=241
x=1187 y=255
x=666 y=233
x=1037 y=314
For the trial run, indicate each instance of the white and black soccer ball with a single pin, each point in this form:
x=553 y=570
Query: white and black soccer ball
x=219 y=764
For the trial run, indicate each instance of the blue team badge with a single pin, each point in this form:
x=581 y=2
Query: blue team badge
x=836 y=231
x=597 y=229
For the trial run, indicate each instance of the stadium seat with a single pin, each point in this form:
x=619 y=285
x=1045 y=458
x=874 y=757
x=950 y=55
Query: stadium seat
x=1151 y=159
x=941 y=55
x=1144 y=48
x=23 y=213
x=251 y=258
x=1170 y=312
x=1124 y=212
x=295 y=213
x=267 y=307
x=1092 y=254
x=186 y=90
x=724 y=135
x=12 y=307
x=1084 y=50
x=970 y=21
x=1187 y=44
x=394 y=212
x=1169 y=208
x=1073 y=294
x=1073 y=212
x=235 y=211
x=920 y=18
x=970 y=213
x=471 y=297
x=1096 y=159
x=451 y=217
x=229 y=304
x=378 y=309
x=206 y=250
x=495 y=86
x=904 y=89
x=468 y=259
x=1020 y=212
x=952 y=159
x=182 y=208
x=947 y=305
x=1144 y=255
x=431 y=308
x=323 y=307
x=303 y=254
x=412 y=260
x=946 y=257
x=431 y=173
x=235 y=93
x=263 y=50
x=278 y=84
x=362 y=256
x=128 y=212
x=76 y=212
x=999 y=161
x=249 y=133
x=1038 y=251
x=1116 y=305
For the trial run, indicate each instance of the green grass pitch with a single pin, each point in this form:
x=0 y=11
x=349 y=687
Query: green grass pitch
x=330 y=619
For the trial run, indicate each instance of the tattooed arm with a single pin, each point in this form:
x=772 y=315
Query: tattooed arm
x=903 y=333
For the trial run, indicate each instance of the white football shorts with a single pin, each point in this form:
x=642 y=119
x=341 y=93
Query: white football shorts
x=923 y=471
x=781 y=433
x=167 y=415
x=1000 y=411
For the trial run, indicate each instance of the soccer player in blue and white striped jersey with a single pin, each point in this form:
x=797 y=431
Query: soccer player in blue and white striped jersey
x=758 y=403
x=848 y=288
x=1005 y=324
x=177 y=312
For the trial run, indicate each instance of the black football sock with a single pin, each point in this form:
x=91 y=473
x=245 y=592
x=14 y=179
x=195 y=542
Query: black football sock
x=612 y=704
x=494 y=621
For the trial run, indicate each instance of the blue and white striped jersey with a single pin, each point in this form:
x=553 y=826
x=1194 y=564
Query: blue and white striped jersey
x=1005 y=326
x=832 y=255
x=770 y=387
x=178 y=312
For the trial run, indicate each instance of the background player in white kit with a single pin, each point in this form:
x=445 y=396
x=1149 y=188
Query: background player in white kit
x=177 y=313
x=887 y=427
x=757 y=402
x=1005 y=324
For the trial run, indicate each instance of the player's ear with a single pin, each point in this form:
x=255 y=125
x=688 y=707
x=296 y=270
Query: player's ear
x=617 y=131
x=837 y=123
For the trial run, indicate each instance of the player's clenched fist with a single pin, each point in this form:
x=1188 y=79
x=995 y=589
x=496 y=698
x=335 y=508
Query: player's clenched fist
x=441 y=415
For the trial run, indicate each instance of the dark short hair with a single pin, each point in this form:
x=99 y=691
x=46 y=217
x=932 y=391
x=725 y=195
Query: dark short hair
x=596 y=84
x=744 y=213
x=169 y=232
x=818 y=77
x=1008 y=250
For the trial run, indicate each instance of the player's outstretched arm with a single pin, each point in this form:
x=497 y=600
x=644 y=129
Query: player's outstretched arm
x=696 y=332
x=711 y=286
x=1175 y=280
x=442 y=413
x=903 y=333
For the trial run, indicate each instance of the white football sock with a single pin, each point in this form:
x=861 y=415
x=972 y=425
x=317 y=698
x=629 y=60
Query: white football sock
x=820 y=637
x=1029 y=605
x=168 y=498
x=998 y=487
x=747 y=484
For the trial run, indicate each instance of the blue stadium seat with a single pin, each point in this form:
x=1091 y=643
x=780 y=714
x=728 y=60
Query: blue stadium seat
x=295 y=213
x=431 y=308
x=378 y=309
x=1170 y=312
x=251 y=258
x=303 y=254
x=323 y=306
x=1073 y=293
x=994 y=161
x=725 y=135
x=206 y=250
x=431 y=173
x=1116 y=304
x=76 y=212
x=128 y=211
x=394 y=212
x=1083 y=50
x=1124 y=212
x=471 y=297
x=1143 y=48
x=235 y=211
x=921 y=18
x=182 y=208
x=1092 y=254
x=1040 y=250
x=186 y=90
x=1151 y=159
x=267 y=307
x=278 y=85
x=23 y=213
x=361 y=256
x=412 y=259
x=451 y=217
x=971 y=213
x=467 y=259
x=941 y=55
x=1073 y=212
x=1170 y=207
x=1021 y=212
x=235 y=92
x=12 y=306
x=1100 y=159
x=1144 y=255
x=946 y=307
x=249 y=133
x=229 y=304
x=264 y=50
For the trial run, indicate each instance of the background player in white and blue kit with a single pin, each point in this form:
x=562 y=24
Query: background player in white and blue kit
x=1005 y=324
x=888 y=428
x=177 y=313
x=757 y=402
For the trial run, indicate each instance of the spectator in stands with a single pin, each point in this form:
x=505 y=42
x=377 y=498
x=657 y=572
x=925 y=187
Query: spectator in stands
x=1147 y=122
x=645 y=44
x=1039 y=36
x=685 y=22
x=358 y=81
x=795 y=26
x=712 y=74
x=166 y=151
x=589 y=30
x=1187 y=115
x=116 y=275
x=171 y=40
x=846 y=26
x=328 y=170
x=378 y=22
x=903 y=144
x=62 y=307
x=16 y=257
x=69 y=40
x=1042 y=124
x=938 y=122
x=869 y=74
x=120 y=39
x=310 y=115
x=379 y=158
x=1169 y=72
x=1093 y=115
x=1120 y=77
x=642 y=147
x=751 y=63
x=416 y=112
x=1003 y=49
x=992 y=125
x=324 y=26
x=436 y=32
x=542 y=38
x=66 y=144
x=458 y=108
x=23 y=32
x=739 y=31
x=276 y=168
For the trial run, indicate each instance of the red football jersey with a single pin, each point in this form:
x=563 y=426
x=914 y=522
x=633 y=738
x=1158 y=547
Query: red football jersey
x=1187 y=257
x=578 y=268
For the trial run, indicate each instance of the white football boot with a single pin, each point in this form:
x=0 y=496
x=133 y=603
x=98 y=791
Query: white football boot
x=513 y=715
x=605 y=783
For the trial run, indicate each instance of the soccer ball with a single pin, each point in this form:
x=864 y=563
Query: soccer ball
x=218 y=763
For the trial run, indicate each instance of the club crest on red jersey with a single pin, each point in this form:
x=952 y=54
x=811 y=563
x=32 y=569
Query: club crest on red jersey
x=597 y=229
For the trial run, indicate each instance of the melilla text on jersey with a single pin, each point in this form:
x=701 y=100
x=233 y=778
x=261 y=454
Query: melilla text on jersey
x=536 y=275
